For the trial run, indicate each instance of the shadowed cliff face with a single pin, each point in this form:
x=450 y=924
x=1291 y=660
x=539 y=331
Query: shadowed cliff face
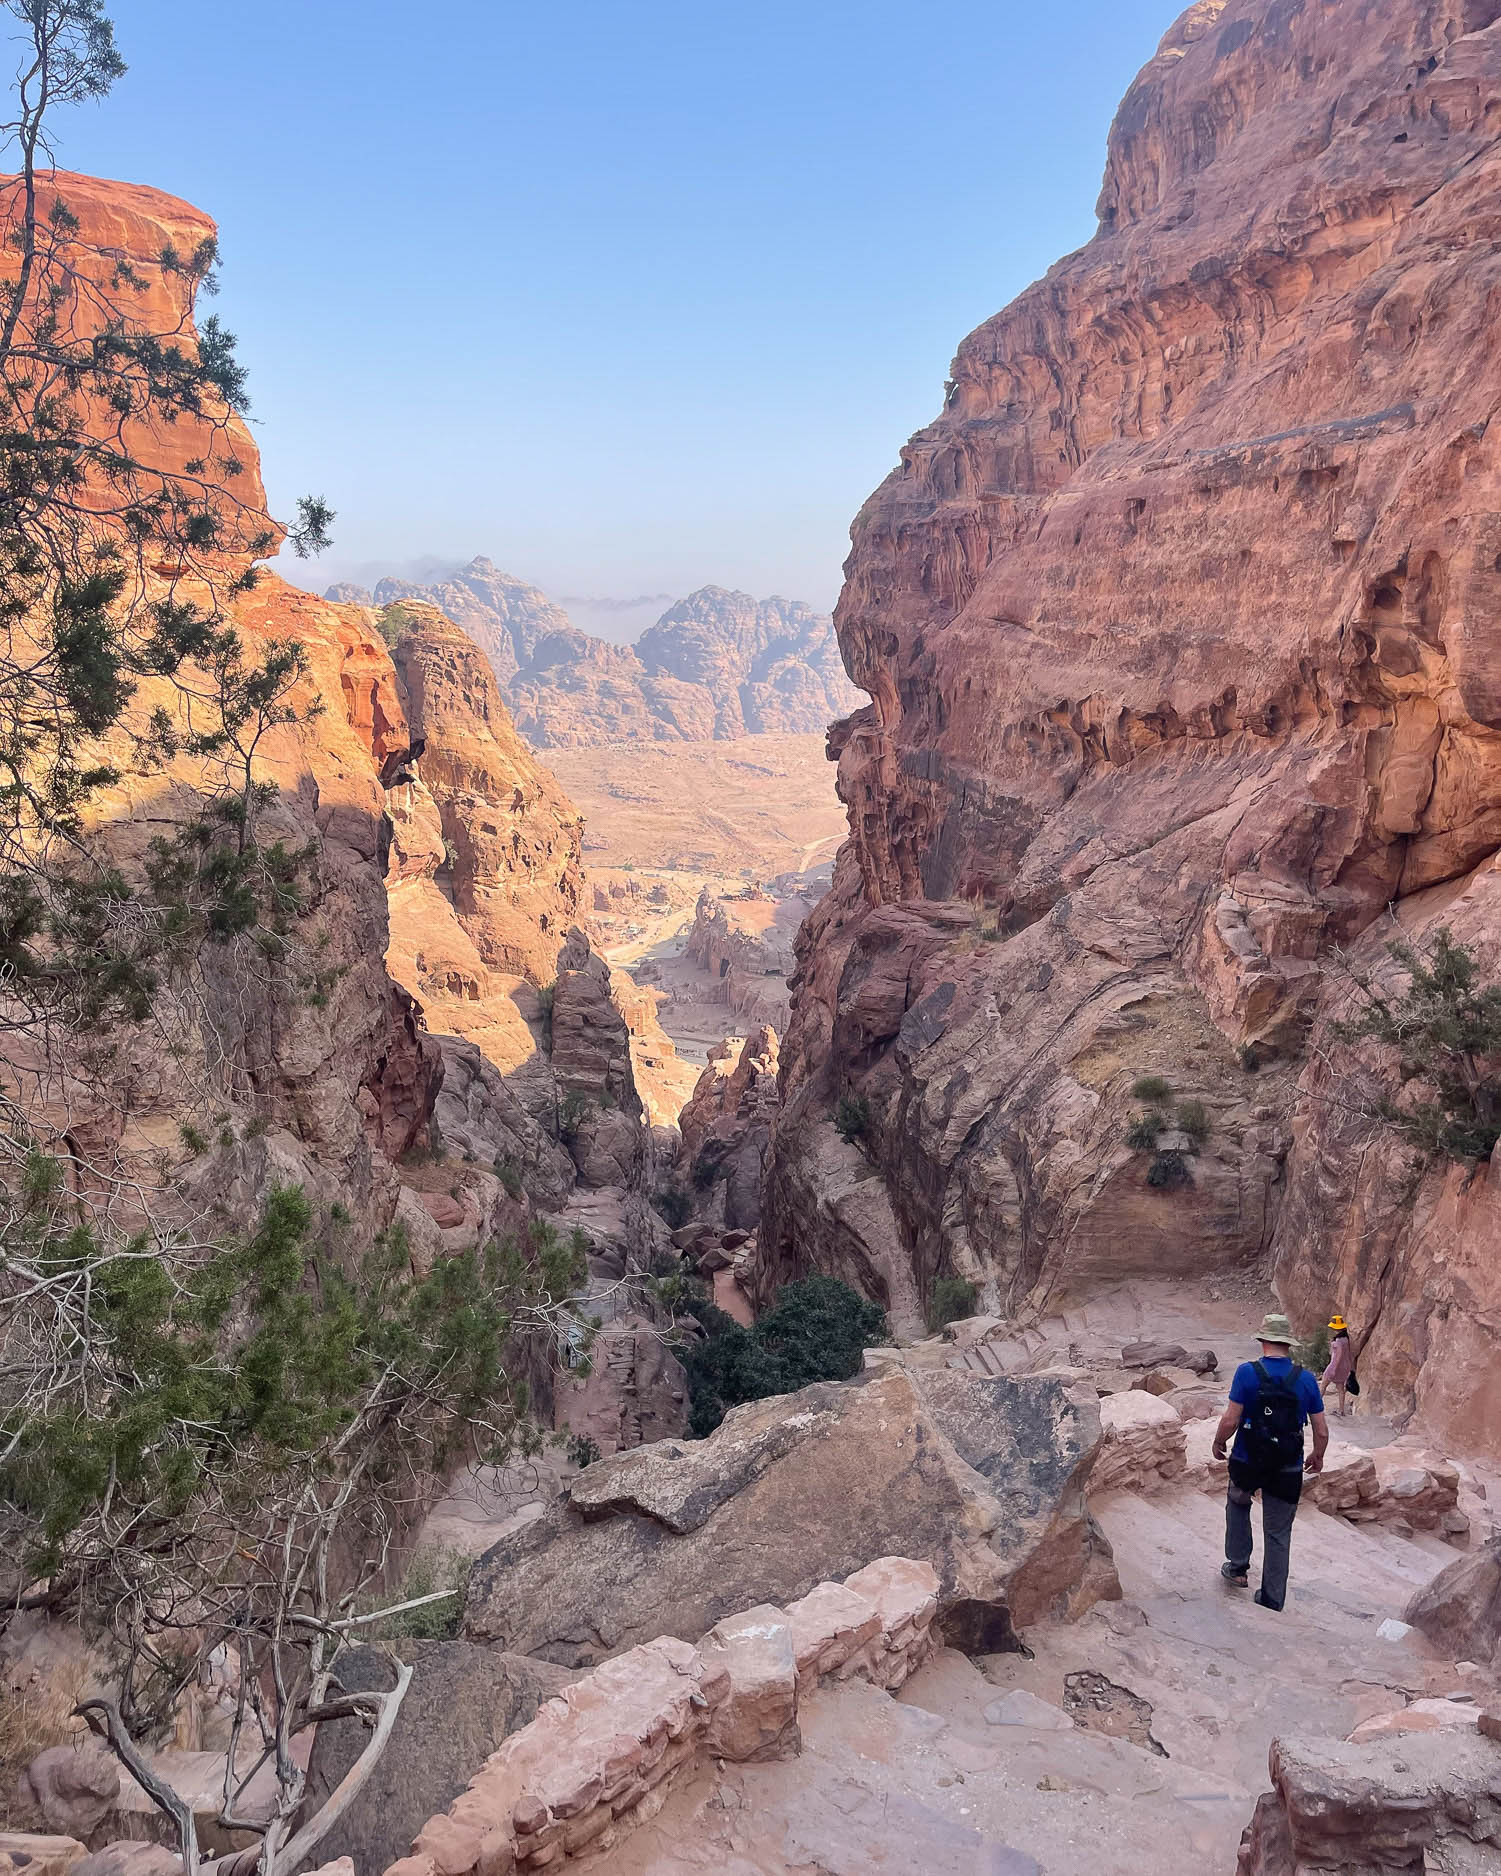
x=1180 y=629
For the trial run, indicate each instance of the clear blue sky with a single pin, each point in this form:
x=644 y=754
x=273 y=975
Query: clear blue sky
x=631 y=295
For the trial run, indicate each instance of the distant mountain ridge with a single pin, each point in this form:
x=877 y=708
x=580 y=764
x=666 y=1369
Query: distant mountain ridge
x=717 y=665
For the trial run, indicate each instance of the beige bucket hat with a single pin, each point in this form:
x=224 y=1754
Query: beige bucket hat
x=1276 y=1328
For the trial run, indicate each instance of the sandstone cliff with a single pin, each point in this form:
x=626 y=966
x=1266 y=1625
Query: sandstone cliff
x=309 y=1066
x=717 y=665
x=1179 y=627
x=393 y=1052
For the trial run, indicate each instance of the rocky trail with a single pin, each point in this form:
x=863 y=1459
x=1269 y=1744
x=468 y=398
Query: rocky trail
x=1134 y=1740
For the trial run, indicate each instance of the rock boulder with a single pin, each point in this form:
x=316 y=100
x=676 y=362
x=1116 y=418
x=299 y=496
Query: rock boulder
x=462 y=1702
x=1460 y=1610
x=1395 y=1807
x=983 y=1479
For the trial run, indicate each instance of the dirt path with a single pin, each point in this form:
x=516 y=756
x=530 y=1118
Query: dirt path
x=925 y=1782
x=1149 y=1748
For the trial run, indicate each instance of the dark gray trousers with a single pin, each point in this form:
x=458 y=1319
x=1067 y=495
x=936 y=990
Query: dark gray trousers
x=1277 y=1516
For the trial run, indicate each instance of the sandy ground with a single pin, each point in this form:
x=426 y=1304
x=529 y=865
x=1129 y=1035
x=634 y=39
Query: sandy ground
x=749 y=809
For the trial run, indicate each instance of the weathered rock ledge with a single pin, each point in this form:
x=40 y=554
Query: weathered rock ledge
x=600 y=1758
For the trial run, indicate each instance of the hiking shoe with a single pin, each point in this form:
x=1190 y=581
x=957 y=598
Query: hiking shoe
x=1235 y=1576
x=1262 y=1601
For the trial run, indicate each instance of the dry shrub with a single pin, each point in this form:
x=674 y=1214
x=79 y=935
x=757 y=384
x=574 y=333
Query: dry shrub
x=33 y=1717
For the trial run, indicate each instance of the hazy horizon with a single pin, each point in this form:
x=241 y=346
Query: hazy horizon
x=630 y=301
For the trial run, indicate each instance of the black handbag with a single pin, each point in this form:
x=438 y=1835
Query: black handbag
x=1353 y=1383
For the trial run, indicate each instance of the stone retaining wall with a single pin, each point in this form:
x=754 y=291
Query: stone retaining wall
x=600 y=1757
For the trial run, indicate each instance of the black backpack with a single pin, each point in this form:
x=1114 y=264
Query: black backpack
x=1274 y=1422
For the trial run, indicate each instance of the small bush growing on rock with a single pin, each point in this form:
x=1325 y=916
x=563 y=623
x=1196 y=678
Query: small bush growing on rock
x=1168 y=1169
x=573 y=1110
x=1193 y=1119
x=1151 y=1088
x=673 y=1206
x=1313 y=1351
x=1447 y=1028
x=582 y=1450
x=852 y=1118
x=509 y=1175
x=193 y=1138
x=1141 y=1134
x=432 y=1570
x=816 y=1330
x=1249 y=1057
x=953 y=1299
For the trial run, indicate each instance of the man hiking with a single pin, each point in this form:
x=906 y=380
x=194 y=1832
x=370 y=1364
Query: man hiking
x=1270 y=1402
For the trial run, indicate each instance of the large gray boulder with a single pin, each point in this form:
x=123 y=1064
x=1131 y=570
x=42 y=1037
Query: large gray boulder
x=1460 y=1610
x=981 y=1477
x=462 y=1702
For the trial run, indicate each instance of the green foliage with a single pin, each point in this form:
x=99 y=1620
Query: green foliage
x=1193 y=1119
x=1168 y=1170
x=394 y=620
x=852 y=1118
x=816 y=1330
x=1151 y=1088
x=1249 y=1057
x=674 y=1206
x=193 y=1138
x=257 y=1390
x=432 y=1568
x=1446 y=1029
x=582 y=1451
x=1142 y=1132
x=1313 y=1351
x=953 y=1299
x=573 y=1110
x=509 y=1175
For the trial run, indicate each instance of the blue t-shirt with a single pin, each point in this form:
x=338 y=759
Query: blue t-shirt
x=1247 y=1384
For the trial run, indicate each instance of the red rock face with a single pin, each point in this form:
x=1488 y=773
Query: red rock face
x=1179 y=627
x=122 y=221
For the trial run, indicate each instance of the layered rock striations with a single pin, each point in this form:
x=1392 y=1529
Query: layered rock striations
x=716 y=666
x=1179 y=629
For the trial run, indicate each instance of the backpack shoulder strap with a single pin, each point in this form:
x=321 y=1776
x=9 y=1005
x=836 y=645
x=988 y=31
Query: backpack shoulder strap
x=1261 y=1374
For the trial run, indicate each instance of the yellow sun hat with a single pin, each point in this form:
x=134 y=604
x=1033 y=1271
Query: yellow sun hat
x=1338 y=1322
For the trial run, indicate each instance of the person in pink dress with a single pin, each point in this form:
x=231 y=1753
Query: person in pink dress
x=1341 y=1364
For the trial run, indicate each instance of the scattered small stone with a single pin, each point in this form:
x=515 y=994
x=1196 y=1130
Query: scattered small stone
x=1101 y=1706
x=1394 y=1631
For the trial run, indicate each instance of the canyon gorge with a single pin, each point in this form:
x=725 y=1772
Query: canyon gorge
x=1177 y=629
x=926 y=1040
